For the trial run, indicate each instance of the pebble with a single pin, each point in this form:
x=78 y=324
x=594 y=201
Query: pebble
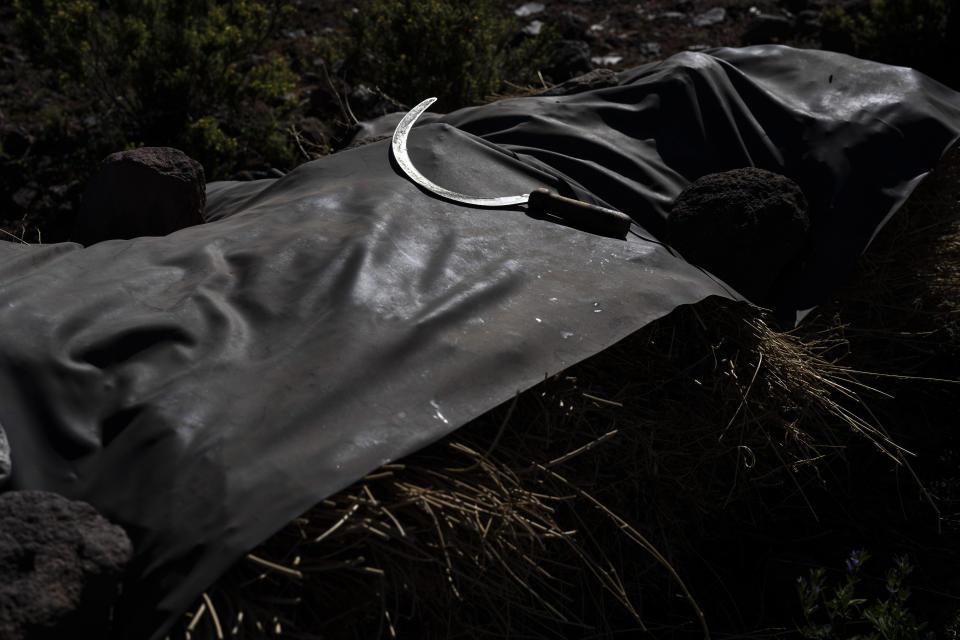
x=529 y=9
x=532 y=29
x=652 y=49
x=606 y=60
x=711 y=17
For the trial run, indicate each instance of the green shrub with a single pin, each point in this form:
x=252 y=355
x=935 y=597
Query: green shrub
x=458 y=50
x=168 y=72
x=924 y=34
x=841 y=613
x=218 y=149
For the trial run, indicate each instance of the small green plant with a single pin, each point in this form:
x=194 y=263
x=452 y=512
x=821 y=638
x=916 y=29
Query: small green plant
x=217 y=148
x=168 y=72
x=461 y=51
x=841 y=613
x=915 y=33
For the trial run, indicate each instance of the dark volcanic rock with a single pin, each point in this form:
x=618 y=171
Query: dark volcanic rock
x=650 y=49
x=60 y=567
x=766 y=28
x=714 y=16
x=808 y=22
x=744 y=226
x=570 y=58
x=151 y=191
x=571 y=25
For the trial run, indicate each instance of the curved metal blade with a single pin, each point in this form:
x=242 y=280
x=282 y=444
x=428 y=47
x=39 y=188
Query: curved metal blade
x=399 y=147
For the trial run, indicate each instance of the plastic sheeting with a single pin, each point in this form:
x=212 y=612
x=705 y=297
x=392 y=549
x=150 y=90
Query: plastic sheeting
x=202 y=389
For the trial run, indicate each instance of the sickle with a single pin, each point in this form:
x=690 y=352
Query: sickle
x=588 y=217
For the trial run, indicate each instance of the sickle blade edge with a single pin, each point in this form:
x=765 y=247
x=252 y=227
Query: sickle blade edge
x=398 y=145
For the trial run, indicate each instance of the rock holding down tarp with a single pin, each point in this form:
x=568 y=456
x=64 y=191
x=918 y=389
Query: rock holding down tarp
x=203 y=388
x=150 y=191
x=60 y=567
x=744 y=225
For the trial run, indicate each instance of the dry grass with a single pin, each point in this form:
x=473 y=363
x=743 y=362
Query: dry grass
x=559 y=512
x=902 y=308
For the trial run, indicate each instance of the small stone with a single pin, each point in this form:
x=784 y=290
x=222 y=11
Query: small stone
x=61 y=190
x=150 y=191
x=606 y=61
x=744 y=226
x=570 y=58
x=570 y=25
x=673 y=15
x=808 y=22
x=766 y=28
x=710 y=17
x=529 y=9
x=651 y=49
x=25 y=195
x=372 y=102
x=532 y=29
x=62 y=565
x=363 y=93
x=15 y=141
x=314 y=131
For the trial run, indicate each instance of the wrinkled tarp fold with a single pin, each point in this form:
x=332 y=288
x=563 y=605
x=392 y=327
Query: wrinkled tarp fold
x=204 y=388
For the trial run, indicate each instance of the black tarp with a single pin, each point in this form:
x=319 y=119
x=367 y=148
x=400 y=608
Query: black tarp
x=202 y=389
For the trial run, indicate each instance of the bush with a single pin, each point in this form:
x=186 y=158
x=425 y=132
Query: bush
x=923 y=34
x=168 y=72
x=459 y=51
x=840 y=612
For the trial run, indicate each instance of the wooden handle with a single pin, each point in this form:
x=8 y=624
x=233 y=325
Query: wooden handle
x=588 y=217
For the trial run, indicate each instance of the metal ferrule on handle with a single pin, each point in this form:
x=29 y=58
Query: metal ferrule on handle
x=588 y=217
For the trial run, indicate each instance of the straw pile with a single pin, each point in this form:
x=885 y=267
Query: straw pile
x=577 y=508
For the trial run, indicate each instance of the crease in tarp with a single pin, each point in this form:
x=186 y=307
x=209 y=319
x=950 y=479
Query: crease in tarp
x=204 y=388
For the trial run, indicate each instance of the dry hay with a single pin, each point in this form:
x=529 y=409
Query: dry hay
x=567 y=511
x=560 y=512
x=900 y=316
x=902 y=308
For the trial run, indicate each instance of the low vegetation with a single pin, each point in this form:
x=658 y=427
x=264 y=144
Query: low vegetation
x=923 y=34
x=462 y=52
x=162 y=72
x=224 y=81
x=840 y=612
